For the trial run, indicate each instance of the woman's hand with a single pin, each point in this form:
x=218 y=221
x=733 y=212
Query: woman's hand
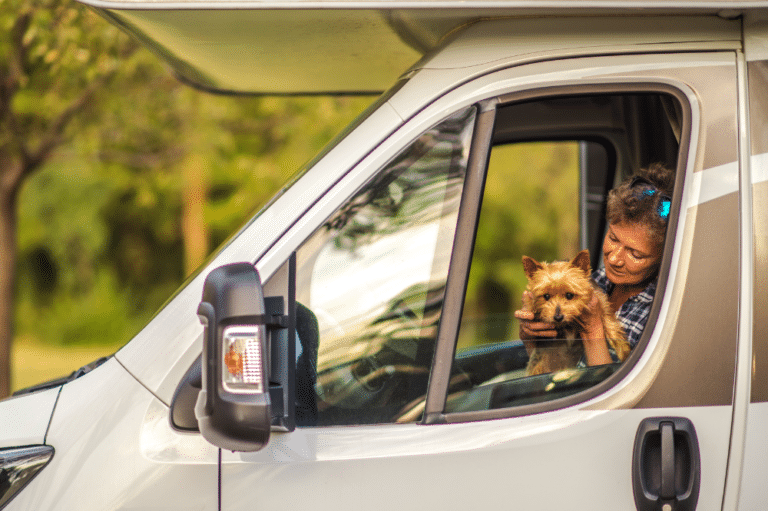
x=530 y=329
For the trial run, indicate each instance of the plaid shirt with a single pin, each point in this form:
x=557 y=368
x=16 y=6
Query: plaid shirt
x=633 y=315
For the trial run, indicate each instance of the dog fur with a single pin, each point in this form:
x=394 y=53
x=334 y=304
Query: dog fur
x=560 y=293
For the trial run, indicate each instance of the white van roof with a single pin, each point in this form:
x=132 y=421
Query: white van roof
x=336 y=46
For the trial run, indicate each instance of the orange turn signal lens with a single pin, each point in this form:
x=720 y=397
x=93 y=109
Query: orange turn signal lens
x=242 y=361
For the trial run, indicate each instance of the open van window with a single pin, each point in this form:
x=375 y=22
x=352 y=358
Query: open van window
x=551 y=168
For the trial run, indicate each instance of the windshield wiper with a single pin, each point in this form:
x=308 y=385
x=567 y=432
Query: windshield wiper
x=58 y=382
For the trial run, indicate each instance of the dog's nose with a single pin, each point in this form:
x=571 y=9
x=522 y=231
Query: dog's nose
x=558 y=317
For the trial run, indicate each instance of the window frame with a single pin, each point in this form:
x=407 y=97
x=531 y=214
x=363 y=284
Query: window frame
x=469 y=212
x=279 y=280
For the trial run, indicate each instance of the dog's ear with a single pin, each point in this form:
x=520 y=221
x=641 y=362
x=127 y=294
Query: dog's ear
x=582 y=261
x=531 y=266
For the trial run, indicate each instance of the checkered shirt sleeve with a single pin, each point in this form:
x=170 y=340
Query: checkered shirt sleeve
x=633 y=315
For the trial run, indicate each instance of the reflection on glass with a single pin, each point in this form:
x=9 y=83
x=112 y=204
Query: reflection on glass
x=530 y=207
x=374 y=276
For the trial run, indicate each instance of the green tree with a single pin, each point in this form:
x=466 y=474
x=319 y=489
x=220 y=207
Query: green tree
x=131 y=178
x=191 y=167
x=56 y=62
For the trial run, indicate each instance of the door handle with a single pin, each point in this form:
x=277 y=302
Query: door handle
x=666 y=467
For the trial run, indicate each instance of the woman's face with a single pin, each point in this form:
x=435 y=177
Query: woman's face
x=631 y=257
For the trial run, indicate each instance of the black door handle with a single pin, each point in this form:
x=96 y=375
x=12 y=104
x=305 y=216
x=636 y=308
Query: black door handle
x=666 y=467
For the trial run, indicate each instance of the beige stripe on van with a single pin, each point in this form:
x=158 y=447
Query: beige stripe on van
x=693 y=356
x=759 y=392
x=758 y=115
x=698 y=368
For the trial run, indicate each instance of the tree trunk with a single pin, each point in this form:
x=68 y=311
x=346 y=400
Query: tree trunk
x=8 y=227
x=193 y=226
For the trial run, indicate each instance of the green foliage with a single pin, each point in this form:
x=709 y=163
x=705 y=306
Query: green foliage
x=54 y=59
x=102 y=313
x=100 y=239
x=123 y=179
x=530 y=207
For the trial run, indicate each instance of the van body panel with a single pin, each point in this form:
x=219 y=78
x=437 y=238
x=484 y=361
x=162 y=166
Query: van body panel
x=115 y=450
x=752 y=494
x=759 y=389
x=629 y=67
x=755 y=35
x=424 y=464
x=420 y=467
x=758 y=110
x=504 y=41
x=25 y=418
x=699 y=379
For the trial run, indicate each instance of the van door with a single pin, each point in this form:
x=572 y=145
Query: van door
x=412 y=389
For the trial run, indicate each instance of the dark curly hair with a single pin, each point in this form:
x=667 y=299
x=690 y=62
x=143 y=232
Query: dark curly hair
x=639 y=200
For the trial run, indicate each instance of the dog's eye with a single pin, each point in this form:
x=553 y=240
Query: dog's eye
x=569 y=296
x=546 y=296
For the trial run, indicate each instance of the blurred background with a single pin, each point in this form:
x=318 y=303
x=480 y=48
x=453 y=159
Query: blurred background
x=118 y=180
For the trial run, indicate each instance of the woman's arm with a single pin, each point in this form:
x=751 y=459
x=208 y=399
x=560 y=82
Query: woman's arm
x=595 y=346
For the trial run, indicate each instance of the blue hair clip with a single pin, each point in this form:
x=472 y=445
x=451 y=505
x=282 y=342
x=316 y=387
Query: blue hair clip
x=663 y=209
x=665 y=202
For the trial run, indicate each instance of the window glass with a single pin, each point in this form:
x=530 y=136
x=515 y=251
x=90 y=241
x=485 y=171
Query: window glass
x=544 y=203
x=530 y=207
x=373 y=278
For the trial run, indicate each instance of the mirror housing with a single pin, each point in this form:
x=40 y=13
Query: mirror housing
x=233 y=408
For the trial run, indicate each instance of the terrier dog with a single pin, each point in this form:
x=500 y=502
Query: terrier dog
x=560 y=293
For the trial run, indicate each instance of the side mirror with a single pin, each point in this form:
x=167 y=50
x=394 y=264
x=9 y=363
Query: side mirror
x=233 y=408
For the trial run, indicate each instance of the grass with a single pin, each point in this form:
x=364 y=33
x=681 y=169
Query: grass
x=35 y=362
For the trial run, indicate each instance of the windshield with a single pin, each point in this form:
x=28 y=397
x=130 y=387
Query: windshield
x=296 y=176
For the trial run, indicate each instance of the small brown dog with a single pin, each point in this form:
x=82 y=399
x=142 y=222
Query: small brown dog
x=560 y=293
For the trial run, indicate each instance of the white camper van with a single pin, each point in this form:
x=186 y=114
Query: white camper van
x=352 y=346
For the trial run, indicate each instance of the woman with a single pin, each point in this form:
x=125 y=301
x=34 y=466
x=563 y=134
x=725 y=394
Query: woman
x=637 y=214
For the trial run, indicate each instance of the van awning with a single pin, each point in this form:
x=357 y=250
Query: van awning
x=330 y=47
